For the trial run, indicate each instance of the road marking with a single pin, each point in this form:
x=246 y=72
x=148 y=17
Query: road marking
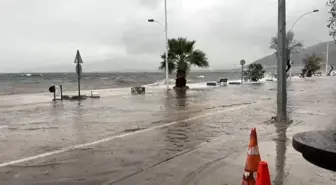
x=118 y=136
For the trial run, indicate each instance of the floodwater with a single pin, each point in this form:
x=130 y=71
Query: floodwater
x=197 y=137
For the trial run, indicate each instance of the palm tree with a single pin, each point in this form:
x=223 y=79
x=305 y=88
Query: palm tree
x=294 y=46
x=181 y=56
x=312 y=64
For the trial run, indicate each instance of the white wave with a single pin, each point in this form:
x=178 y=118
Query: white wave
x=162 y=82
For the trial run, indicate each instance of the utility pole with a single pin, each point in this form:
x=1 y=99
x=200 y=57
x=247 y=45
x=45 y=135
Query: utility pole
x=282 y=76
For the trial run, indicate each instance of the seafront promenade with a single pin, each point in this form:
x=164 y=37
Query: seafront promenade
x=163 y=138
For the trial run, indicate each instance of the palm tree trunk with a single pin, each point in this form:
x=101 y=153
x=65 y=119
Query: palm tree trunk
x=180 y=79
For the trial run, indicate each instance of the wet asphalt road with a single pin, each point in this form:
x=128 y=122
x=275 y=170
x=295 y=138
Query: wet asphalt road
x=163 y=138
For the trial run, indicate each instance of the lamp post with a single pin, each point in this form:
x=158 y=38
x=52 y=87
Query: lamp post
x=165 y=26
x=314 y=11
x=282 y=59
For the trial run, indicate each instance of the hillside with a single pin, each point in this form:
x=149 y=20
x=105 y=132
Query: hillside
x=318 y=49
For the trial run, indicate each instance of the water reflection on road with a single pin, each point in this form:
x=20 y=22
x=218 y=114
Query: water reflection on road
x=281 y=148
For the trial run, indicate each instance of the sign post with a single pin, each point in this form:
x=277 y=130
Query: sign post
x=242 y=63
x=78 y=61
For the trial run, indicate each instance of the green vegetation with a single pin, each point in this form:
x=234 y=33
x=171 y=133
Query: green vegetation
x=181 y=56
x=255 y=72
x=312 y=65
x=294 y=46
x=332 y=19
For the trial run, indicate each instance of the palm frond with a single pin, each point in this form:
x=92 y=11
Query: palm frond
x=293 y=45
x=199 y=59
x=181 y=55
x=274 y=43
x=171 y=66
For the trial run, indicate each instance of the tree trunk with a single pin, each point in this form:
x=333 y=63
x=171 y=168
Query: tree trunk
x=309 y=73
x=180 y=79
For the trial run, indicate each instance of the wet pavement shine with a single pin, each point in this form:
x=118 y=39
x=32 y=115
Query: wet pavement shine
x=159 y=138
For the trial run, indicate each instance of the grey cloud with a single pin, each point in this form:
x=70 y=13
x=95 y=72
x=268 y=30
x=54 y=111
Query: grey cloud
x=38 y=33
x=144 y=40
x=151 y=3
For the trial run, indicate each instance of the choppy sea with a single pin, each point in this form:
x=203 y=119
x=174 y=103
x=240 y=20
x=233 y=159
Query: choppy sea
x=11 y=84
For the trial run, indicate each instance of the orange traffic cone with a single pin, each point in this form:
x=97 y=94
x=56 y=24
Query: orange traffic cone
x=252 y=160
x=263 y=176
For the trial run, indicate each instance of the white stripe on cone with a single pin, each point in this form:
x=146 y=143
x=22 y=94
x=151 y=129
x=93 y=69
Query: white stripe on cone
x=253 y=150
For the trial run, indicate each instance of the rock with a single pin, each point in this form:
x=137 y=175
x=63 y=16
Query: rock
x=138 y=90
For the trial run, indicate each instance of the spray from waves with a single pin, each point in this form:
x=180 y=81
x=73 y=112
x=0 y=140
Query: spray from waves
x=125 y=80
x=162 y=82
x=170 y=82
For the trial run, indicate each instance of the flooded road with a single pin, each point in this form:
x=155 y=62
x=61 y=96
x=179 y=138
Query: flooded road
x=199 y=137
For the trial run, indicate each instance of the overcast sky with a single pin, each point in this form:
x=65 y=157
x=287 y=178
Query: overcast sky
x=114 y=35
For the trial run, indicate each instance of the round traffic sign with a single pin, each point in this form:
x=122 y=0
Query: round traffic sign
x=242 y=62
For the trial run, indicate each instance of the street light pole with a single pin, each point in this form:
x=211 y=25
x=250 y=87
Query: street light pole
x=167 y=47
x=165 y=27
x=303 y=16
x=290 y=70
x=282 y=77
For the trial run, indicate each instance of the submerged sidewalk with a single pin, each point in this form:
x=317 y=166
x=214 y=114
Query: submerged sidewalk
x=221 y=161
x=204 y=144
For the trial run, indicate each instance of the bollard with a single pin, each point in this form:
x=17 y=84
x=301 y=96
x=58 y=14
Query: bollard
x=61 y=89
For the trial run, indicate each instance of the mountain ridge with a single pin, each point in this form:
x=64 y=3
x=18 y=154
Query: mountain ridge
x=319 y=49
